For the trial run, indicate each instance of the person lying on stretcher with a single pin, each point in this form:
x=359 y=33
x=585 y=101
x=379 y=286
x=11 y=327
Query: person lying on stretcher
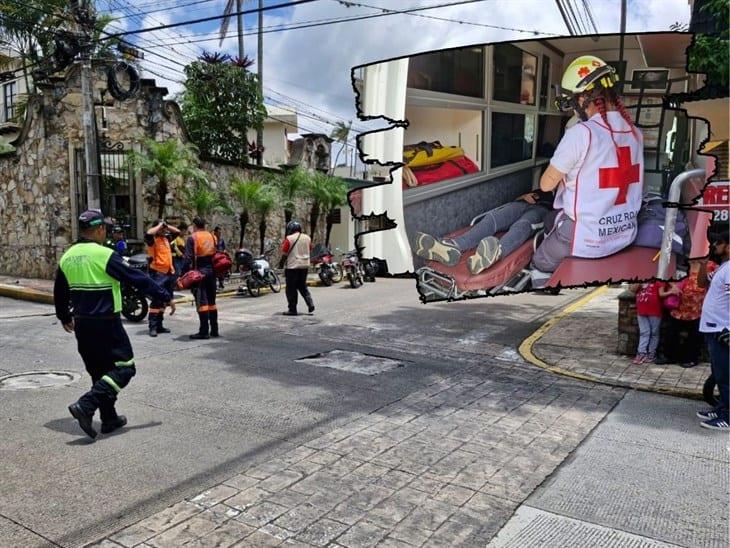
x=519 y=218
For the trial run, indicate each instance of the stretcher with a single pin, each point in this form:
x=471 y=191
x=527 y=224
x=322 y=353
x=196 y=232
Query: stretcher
x=509 y=275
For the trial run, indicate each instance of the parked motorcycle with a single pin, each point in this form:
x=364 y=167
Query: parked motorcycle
x=353 y=269
x=256 y=272
x=370 y=269
x=134 y=303
x=328 y=270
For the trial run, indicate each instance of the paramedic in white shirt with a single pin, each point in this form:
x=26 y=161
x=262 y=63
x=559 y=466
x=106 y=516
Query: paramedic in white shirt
x=715 y=324
x=597 y=170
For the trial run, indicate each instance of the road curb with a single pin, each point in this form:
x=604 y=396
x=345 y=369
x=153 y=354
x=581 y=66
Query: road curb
x=526 y=346
x=25 y=294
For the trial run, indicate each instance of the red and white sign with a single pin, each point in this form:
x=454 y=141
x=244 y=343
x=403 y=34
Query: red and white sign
x=716 y=198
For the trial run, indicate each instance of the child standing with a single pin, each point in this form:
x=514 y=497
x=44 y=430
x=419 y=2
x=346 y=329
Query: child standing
x=649 y=316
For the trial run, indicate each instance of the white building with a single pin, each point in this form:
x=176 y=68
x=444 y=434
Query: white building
x=277 y=125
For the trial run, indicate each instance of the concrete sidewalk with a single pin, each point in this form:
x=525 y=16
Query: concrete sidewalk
x=581 y=343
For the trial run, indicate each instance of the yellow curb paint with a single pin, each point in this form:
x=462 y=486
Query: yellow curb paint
x=525 y=350
x=25 y=294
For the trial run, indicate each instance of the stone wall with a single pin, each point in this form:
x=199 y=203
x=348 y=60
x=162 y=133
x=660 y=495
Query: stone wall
x=37 y=189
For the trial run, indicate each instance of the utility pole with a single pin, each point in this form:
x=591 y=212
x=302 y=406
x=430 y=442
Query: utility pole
x=239 y=20
x=84 y=19
x=260 y=67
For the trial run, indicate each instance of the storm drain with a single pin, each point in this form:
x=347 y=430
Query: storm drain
x=353 y=362
x=33 y=380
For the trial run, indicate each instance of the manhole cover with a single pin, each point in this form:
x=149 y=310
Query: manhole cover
x=37 y=379
x=354 y=362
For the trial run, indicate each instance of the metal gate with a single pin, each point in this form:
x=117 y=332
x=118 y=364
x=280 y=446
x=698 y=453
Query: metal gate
x=116 y=185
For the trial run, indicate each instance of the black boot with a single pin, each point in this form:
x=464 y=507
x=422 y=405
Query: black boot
x=203 y=332
x=310 y=303
x=213 y=316
x=84 y=419
x=110 y=426
x=154 y=323
x=290 y=313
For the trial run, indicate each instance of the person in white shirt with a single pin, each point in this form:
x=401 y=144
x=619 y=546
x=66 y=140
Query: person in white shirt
x=715 y=324
x=597 y=170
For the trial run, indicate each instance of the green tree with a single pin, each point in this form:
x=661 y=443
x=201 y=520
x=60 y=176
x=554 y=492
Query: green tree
x=318 y=190
x=291 y=184
x=265 y=202
x=341 y=134
x=200 y=199
x=167 y=161
x=246 y=195
x=709 y=52
x=220 y=103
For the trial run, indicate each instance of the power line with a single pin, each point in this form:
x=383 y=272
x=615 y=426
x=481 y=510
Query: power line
x=587 y=6
x=216 y=17
x=167 y=8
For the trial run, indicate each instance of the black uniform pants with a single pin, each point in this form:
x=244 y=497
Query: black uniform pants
x=157 y=307
x=205 y=300
x=107 y=354
x=680 y=351
x=296 y=282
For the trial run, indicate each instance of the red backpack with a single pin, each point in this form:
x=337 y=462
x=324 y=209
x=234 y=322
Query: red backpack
x=221 y=263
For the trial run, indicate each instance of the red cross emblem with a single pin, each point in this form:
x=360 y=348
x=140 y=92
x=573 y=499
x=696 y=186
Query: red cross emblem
x=620 y=177
x=583 y=71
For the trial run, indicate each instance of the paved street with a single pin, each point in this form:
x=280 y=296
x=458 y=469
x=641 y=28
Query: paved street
x=272 y=434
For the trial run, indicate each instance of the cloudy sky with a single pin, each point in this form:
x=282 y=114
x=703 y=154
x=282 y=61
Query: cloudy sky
x=309 y=68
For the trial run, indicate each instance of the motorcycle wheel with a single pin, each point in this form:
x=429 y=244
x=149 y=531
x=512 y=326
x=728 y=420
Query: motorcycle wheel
x=337 y=274
x=134 y=307
x=325 y=277
x=710 y=392
x=274 y=282
x=355 y=281
x=253 y=288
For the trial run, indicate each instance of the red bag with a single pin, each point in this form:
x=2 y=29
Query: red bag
x=189 y=279
x=221 y=263
x=447 y=170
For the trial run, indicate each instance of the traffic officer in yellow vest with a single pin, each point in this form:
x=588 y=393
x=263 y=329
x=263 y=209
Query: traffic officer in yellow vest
x=87 y=282
x=162 y=270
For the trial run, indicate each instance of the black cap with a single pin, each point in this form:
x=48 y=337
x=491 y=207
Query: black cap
x=118 y=228
x=93 y=217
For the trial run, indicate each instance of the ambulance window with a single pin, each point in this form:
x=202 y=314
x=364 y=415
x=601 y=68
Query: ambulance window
x=457 y=72
x=544 y=82
x=514 y=75
x=512 y=138
x=549 y=131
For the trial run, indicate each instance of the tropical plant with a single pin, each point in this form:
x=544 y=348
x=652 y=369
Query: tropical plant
x=167 y=161
x=246 y=195
x=318 y=190
x=221 y=102
x=265 y=202
x=291 y=185
x=341 y=134
x=709 y=52
x=201 y=200
x=337 y=196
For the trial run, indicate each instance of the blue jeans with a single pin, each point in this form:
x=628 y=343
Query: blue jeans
x=719 y=356
x=648 y=334
x=517 y=218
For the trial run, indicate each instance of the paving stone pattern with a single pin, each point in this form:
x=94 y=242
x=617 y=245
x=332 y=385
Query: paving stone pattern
x=444 y=466
x=592 y=352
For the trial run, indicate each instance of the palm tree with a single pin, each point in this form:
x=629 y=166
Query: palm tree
x=225 y=22
x=167 y=161
x=291 y=185
x=201 y=200
x=341 y=134
x=246 y=194
x=265 y=203
x=318 y=190
x=337 y=197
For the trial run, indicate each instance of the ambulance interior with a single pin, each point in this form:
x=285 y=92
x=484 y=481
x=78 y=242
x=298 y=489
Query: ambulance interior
x=482 y=126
